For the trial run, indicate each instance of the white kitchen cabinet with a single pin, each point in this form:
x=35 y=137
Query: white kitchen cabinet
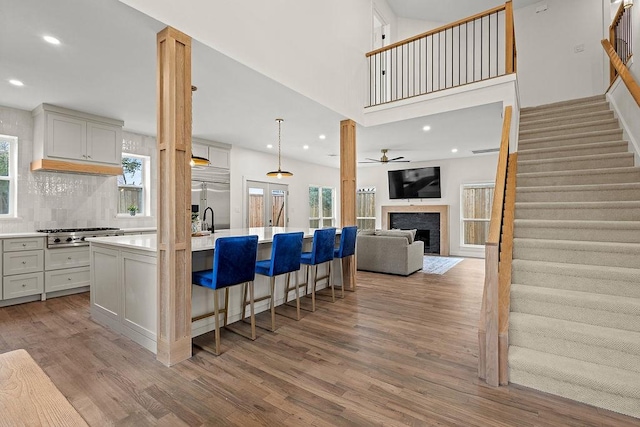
x=66 y=268
x=219 y=157
x=62 y=134
x=69 y=278
x=22 y=267
x=218 y=153
x=55 y=259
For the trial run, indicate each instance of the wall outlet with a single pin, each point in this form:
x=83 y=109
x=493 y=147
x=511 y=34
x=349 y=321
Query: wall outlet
x=578 y=48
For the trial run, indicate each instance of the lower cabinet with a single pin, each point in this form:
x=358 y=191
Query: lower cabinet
x=22 y=285
x=66 y=269
x=70 y=278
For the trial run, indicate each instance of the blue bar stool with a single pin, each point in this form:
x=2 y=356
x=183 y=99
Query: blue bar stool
x=234 y=261
x=324 y=241
x=347 y=249
x=285 y=259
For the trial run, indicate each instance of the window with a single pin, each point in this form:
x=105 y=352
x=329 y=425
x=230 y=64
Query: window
x=8 y=172
x=366 y=208
x=133 y=185
x=321 y=207
x=476 y=213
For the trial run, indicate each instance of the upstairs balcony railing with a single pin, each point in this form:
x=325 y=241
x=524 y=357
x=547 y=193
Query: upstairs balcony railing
x=620 y=35
x=470 y=50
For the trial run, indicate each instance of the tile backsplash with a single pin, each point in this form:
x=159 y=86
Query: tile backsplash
x=64 y=200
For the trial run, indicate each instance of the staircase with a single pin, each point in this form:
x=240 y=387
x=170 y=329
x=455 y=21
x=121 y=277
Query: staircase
x=575 y=296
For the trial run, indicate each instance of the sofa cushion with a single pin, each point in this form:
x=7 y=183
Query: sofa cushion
x=408 y=234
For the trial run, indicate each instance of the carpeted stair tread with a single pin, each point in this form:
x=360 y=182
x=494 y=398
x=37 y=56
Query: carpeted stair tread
x=578 y=252
x=594 y=161
x=569 y=129
x=564 y=104
x=618 y=146
x=579 y=177
x=607 y=280
x=599 y=231
x=567 y=111
x=611 y=304
x=602 y=386
x=585 y=211
x=526 y=124
x=570 y=139
x=580 y=341
x=626 y=191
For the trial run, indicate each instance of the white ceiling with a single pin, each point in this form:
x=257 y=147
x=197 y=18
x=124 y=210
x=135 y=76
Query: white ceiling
x=106 y=65
x=447 y=10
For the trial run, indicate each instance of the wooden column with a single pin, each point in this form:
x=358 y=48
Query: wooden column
x=348 y=192
x=174 y=196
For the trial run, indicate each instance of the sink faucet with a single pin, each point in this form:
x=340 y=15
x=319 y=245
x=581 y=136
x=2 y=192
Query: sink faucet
x=204 y=219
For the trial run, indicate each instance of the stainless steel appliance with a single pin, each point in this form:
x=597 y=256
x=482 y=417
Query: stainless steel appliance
x=210 y=188
x=70 y=237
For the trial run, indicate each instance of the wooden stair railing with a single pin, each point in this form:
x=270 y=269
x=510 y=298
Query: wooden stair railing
x=622 y=71
x=493 y=342
x=620 y=37
x=456 y=54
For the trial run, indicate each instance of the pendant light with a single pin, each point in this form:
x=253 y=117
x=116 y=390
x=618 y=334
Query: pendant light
x=196 y=160
x=279 y=173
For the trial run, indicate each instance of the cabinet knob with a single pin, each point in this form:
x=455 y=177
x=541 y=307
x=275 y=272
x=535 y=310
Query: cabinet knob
x=69 y=278
x=69 y=258
x=88 y=157
x=24 y=285
x=24 y=262
x=24 y=245
x=84 y=156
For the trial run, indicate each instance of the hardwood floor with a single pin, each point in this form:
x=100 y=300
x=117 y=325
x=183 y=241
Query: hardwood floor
x=399 y=351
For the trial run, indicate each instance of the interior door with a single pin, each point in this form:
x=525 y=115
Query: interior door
x=266 y=204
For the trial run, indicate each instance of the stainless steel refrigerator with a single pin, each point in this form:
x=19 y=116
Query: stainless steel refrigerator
x=210 y=189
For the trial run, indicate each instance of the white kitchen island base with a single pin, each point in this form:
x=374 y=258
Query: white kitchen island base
x=124 y=283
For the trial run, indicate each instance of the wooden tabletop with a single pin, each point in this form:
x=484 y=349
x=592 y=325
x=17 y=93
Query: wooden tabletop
x=28 y=397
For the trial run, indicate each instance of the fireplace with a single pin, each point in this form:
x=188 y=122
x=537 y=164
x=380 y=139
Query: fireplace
x=427 y=225
x=431 y=221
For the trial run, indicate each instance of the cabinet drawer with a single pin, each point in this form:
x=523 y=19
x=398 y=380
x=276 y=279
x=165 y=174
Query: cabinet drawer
x=23 y=262
x=66 y=279
x=23 y=244
x=22 y=285
x=55 y=259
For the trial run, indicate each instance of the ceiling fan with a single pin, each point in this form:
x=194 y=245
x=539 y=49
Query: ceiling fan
x=385 y=159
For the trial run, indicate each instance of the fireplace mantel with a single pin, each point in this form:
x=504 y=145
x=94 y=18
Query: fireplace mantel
x=443 y=210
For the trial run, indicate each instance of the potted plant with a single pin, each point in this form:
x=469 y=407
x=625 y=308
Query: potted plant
x=132 y=210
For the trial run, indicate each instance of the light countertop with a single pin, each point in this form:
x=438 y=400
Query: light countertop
x=149 y=242
x=22 y=234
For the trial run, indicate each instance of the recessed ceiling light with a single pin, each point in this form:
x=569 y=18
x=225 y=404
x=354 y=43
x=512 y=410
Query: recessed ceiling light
x=16 y=82
x=454 y=150
x=269 y=146
x=323 y=136
x=306 y=147
x=426 y=128
x=50 y=39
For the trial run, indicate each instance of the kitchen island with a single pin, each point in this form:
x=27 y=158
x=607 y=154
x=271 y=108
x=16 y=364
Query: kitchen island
x=124 y=288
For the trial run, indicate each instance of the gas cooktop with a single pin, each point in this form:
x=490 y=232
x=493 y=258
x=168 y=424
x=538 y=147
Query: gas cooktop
x=75 y=230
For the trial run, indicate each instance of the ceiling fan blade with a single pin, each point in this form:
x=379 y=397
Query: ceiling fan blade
x=371 y=161
x=396 y=158
x=402 y=161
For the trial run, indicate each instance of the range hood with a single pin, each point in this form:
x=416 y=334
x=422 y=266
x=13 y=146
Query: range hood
x=48 y=165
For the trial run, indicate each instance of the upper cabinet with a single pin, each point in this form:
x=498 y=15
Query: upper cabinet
x=218 y=153
x=72 y=141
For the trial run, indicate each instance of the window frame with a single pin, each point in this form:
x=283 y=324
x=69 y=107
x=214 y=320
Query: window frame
x=463 y=220
x=367 y=190
x=322 y=218
x=146 y=190
x=12 y=176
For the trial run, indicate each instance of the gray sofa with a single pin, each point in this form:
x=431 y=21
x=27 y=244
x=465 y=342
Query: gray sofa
x=389 y=251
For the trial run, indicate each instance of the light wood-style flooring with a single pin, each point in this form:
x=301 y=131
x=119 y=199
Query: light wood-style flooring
x=399 y=351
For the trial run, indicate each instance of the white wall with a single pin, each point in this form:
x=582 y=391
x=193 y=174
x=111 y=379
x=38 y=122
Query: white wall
x=315 y=48
x=412 y=27
x=453 y=173
x=548 y=68
x=253 y=165
x=64 y=200
x=621 y=100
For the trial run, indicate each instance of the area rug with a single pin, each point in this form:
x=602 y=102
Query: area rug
x=438 y=264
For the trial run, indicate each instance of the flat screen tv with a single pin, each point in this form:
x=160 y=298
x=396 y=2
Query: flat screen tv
x=420 y=183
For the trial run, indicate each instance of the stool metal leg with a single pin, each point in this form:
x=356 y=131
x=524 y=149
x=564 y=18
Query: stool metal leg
x=216 y=320
x=297 y=293
x=253 y=316
x=273 y=303
x=313 y=288
x=330 y=282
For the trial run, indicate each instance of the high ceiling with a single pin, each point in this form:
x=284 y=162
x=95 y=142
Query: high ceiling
x=106 y=63
x=447 y=10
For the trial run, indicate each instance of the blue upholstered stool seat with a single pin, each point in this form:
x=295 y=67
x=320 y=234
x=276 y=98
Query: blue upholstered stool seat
x=321 y=252
x=234 y=260
x=347 y=249
x=285 y=258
